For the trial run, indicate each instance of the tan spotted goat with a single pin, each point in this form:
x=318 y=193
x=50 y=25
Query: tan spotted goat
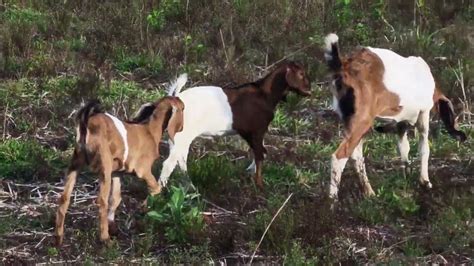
x=108 y=145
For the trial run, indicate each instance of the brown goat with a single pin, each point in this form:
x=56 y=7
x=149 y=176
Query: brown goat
x=246 y=110
x=106 y=145
x=378 y=83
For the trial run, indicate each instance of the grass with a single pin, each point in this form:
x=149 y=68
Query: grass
x=54 y=56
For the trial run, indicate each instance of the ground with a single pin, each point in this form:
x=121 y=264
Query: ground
x=55 y=56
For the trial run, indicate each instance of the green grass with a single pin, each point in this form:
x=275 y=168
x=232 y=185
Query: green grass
x=56 y=54
x=29 y=161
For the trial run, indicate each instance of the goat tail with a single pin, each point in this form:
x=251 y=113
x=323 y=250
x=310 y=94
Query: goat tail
x=331 y=52
x=82 y=118
x=446 y=111
x=175 y=88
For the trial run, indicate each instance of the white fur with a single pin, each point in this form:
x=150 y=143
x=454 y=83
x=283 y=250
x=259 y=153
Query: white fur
x=424 y=148
x=252 y=167
x=123 y=133
x=330 y=40
x=403 y=148
x=78 y=134
x=335 y=106
x=141 y=109
x=175 y=88
x=411 y=79
x=337 y=166
x=207 y=112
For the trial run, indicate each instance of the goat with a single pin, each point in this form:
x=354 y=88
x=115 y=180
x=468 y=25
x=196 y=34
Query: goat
x=378 y=83
x=246 y=110
x=107 y=145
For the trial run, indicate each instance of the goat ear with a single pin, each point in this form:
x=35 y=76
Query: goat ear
x=290 y=77
x=175 y=124
x=143 y=113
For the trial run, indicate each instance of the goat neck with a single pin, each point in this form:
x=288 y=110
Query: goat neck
x=156 y=124
x=275 y=86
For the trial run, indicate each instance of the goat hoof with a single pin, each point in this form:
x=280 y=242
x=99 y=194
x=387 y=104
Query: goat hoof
x=59 y=241
x=427 y=184
x=163 y=183
x=113 y=229
x=333 y=204
x=369 y=192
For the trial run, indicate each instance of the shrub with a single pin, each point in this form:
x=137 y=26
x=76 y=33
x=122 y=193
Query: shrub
x=178 y=215
x=28 y=161
x=168 y=8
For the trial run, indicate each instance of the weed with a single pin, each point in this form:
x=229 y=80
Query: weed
x=196 y=254
x=452 y=229
x=28 y=161
x=168 y=8
x=125 y=62
x=111 y=251
x=212 y=172
x=413 y=249
x=179 y=215
x=127 y=94
x=297 y=256
x=52 y=251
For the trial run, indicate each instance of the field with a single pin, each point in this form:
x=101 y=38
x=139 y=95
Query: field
x=54 y=55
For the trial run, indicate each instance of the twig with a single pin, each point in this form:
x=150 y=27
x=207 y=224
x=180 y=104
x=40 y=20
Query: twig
x=287 y=56
x=223 y=46
x=5 y=121
x=268 y=227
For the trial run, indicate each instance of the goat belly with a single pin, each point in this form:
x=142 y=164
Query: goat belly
x=207 y=111
x=410 y=78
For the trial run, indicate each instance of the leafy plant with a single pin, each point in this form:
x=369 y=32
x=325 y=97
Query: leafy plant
x=179 y=215
x=125 y=62
x=28 y=160
x=168 y=8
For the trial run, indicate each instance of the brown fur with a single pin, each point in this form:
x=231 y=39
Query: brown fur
x=253 y=106
x=363 y=73
x=104 y=147
x=362 y=96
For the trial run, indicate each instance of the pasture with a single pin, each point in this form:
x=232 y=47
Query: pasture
x=56 y=55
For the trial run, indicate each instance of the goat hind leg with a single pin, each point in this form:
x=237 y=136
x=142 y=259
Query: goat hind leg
x=74 y=168
x=114 y=201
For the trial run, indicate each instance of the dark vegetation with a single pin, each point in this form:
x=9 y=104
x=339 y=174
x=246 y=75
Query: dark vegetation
x=56 y=54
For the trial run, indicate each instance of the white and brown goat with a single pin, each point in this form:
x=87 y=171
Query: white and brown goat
x=246 y=110
x=108 y=145
x=378 y=83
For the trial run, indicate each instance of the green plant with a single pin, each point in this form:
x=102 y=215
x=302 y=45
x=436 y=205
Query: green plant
x=52 y=251
x=178 y=215
x=111 y=251
x=297 y=256
x=168 y=8
x=28 y=161
x=452 y=229
x=25 y=16
x=413 y=249
x=125 y=62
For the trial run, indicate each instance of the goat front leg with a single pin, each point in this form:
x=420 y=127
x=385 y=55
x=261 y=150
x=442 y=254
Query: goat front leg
x=178 y=154
x=256 y=143
x=64 y=200
x=114 y=201
x=358 y=157
x=424 y=149
x=104 y=192
x=356 y=130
